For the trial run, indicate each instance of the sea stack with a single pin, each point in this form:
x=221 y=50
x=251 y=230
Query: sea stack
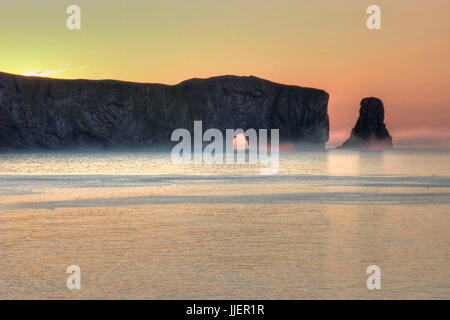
x=370 y=132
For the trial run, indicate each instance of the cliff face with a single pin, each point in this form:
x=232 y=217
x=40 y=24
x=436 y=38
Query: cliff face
x=370 y=131
x=55 y=113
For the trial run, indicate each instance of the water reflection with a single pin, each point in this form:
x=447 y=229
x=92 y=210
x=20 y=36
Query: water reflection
x=196 y=232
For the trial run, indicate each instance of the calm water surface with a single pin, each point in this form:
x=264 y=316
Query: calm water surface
x=141 y=227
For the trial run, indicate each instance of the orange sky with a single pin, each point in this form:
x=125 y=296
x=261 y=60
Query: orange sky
x=322 y=43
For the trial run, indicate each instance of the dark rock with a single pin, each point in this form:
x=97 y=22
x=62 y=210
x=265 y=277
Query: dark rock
x=370 y=131
x=56 y=113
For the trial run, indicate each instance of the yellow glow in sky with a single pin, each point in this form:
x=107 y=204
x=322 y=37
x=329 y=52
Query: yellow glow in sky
x=322 y=43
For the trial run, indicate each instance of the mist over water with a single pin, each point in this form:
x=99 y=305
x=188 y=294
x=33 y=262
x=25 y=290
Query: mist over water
x=140 y=226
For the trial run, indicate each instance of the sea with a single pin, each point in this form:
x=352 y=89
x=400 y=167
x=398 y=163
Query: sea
x=138 y=226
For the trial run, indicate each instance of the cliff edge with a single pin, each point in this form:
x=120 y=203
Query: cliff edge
x=56 y=113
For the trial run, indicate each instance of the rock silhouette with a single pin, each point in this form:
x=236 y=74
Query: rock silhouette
x=55 y=113
x=370 y=131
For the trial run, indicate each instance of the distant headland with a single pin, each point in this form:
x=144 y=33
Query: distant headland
x=58 y=114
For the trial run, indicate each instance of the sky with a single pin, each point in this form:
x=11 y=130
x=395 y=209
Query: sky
x=322 y=44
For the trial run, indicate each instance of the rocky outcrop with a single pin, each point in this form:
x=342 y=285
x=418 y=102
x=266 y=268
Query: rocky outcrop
x=370 y=131
x=56 y=113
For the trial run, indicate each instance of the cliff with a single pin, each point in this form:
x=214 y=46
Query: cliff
x=54 y=113
x=370 y=131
